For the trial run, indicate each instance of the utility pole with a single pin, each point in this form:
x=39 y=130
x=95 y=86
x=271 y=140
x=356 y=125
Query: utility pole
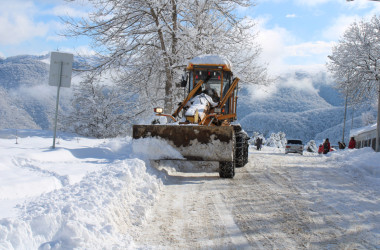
x=378 y=120
x=345 y=115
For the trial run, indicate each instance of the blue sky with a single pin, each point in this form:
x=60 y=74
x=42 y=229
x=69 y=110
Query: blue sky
x=292 y=33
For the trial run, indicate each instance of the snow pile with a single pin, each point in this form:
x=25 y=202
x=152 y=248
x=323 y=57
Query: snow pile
x=311 y=146
x=155 y=149
x=211 y=59
x=362 y=163
x=96 y=212
x=357 y=131
x=213 y=151
x=200 y=103
x=160 y=149
x=87 y=193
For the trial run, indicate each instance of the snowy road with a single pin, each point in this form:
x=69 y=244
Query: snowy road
x=277 y=201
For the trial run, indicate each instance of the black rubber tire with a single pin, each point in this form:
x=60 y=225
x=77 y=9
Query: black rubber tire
x=226 y=169
x=241 y=147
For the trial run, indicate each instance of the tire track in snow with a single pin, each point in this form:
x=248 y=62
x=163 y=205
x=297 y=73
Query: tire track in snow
x=63 y=179
x=268 y=208
x=237 y=237
x=190 y=214
x=277 y=201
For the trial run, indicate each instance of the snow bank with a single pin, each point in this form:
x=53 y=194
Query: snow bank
x=92 y=194
x=362 y=163
x=95 y=213
x=211 y=59
x=87 y=193
x=160 y=149
x=154 y=149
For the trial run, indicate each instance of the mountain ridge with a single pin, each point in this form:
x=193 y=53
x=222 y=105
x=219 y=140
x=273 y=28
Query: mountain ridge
x=301 y=105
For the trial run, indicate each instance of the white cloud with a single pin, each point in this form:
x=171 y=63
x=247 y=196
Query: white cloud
x=309 y=49
x=305 y=84
x=338 y=27
x=64 y=10
x=290 y=16
x=56 y=38
x=342 y=23
x=284 y=52
x=359 y=4
x=375 y=10
x=312 y=2
x=354 y=4
x=17 y=24
x=259 y=92
x=303 y=2
x=81 y=50
x=273 y=43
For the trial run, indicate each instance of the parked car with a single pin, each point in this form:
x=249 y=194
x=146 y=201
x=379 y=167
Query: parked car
x=294 y=146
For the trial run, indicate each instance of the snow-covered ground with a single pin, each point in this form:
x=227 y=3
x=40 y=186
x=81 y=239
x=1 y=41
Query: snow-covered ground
x=86 y=193
x=94 y=194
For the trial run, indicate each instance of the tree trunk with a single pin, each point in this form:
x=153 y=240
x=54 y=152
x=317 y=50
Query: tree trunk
x=168 y=105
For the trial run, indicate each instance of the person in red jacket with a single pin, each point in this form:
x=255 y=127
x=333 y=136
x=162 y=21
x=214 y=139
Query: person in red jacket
x=320 y=149
x=352 y=143
x=326 y=146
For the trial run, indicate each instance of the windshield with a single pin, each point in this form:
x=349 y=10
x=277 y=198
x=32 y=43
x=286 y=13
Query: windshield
x=212 y=85
x=294 y=142
x=214 y=78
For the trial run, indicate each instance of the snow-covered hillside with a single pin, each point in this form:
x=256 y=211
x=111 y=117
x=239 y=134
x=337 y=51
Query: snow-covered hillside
x=304 y=106
x=27 y=101
x=23 y=70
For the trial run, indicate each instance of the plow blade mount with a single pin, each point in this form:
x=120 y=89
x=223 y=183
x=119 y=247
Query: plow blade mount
x=195 y=143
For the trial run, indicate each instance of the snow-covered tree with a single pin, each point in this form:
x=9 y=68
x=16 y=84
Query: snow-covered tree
x=99 y=110
x=254 y=138
x=368 y=118
x=148 y=42
x=355 y=62
x=311 y=146
x=276 y=140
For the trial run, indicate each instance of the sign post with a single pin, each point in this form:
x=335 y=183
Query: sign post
x=61 y=65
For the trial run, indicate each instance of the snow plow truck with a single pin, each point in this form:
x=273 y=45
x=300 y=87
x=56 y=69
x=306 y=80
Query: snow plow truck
x=202 y=128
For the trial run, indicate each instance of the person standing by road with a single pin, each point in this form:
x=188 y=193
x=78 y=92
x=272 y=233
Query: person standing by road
x=259 y=143
x=352 y=143
x=326 y=146
x=320 y=149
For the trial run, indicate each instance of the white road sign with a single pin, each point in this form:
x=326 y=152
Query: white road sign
x=61 y=66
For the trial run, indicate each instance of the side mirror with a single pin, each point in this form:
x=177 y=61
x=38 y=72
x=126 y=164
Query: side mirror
x=184 y=81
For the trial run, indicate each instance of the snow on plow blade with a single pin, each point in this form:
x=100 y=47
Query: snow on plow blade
x=196 y=143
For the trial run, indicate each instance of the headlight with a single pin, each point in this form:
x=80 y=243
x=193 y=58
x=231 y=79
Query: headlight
x=158 y=110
